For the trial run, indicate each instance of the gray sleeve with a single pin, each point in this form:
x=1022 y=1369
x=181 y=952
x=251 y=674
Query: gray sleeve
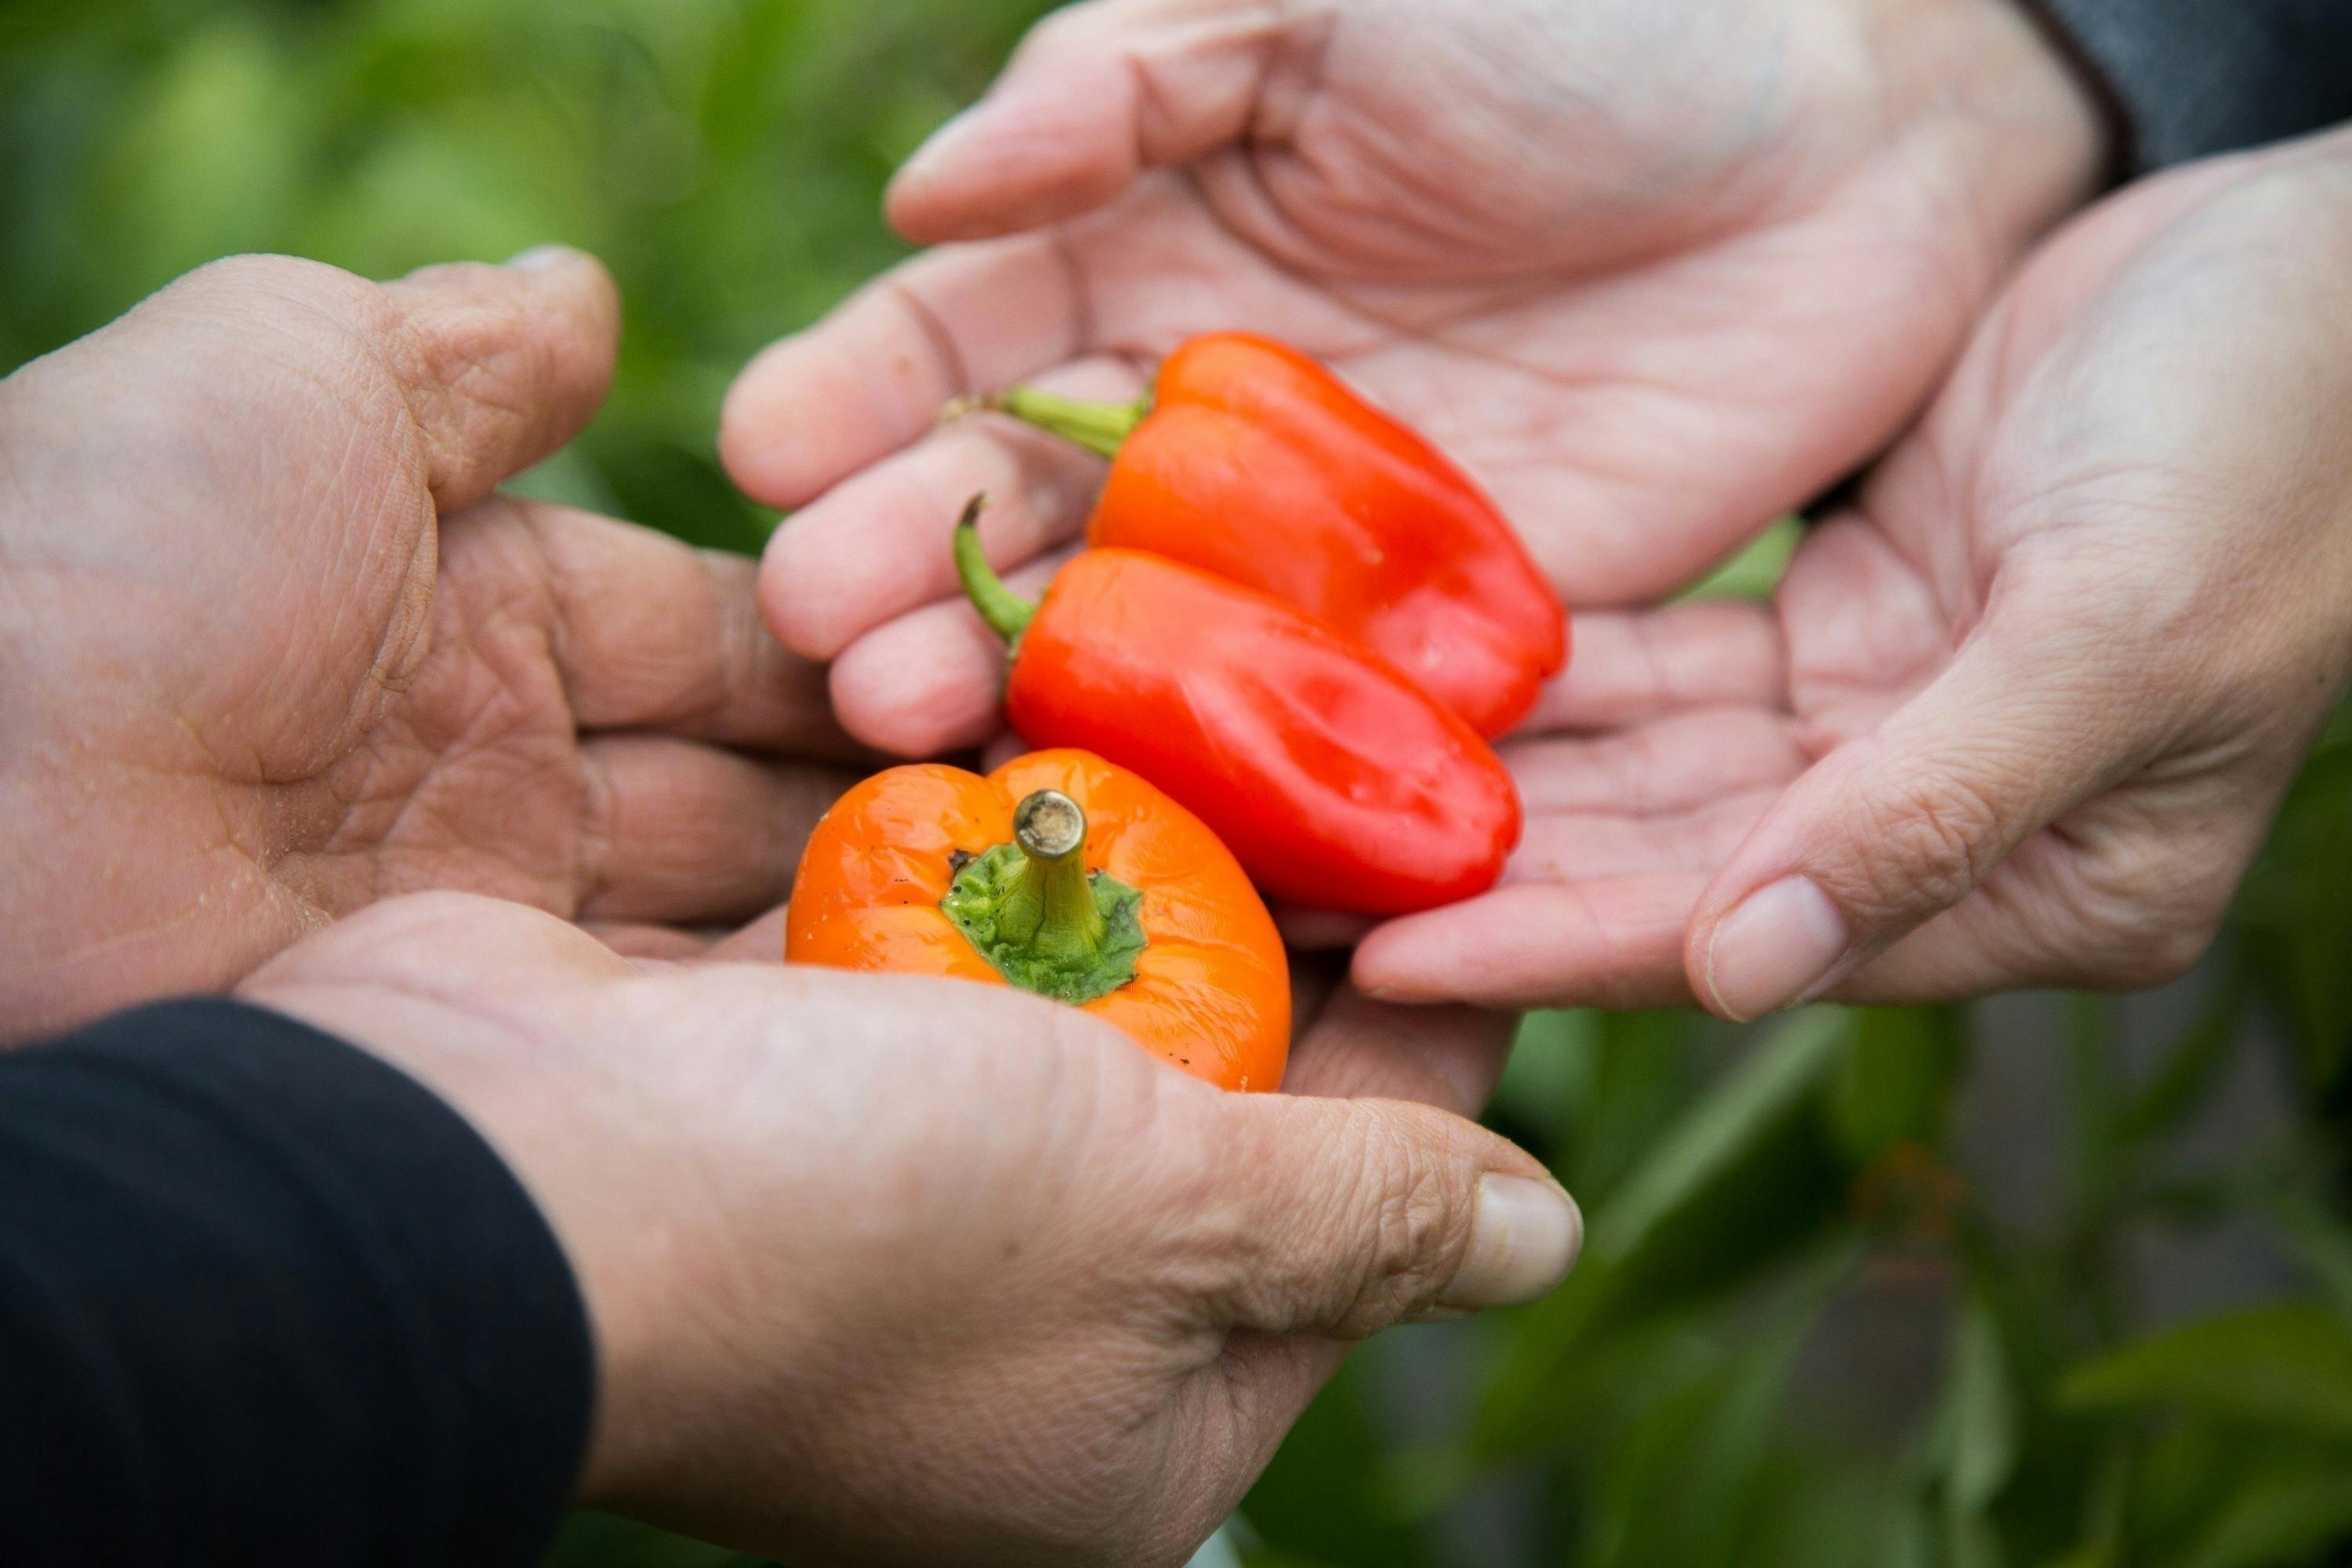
x=2190 y=78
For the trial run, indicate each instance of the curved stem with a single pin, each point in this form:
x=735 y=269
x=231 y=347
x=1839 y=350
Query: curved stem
x=1050 y=910
x=1097 y=426
x=1008 y=615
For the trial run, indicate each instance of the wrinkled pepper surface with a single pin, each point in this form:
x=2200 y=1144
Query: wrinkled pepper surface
x=1064 y=875
x=1337 y=783
x=1254 y=462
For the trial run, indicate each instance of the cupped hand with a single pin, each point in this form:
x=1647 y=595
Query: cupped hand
x=271 y=647
x=886 y=1270
x=1654 y=270
x=2024 y=717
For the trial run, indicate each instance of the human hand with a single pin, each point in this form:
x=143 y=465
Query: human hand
x=1654 y=272
x=272 y=648
x=2024 y=717
x=888 y=1269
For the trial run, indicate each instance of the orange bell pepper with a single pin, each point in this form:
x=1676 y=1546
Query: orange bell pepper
x=1064 y=875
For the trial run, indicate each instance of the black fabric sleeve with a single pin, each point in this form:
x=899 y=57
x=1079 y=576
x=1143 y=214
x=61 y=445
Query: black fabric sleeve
x=2190 y=78
x=266 y=1299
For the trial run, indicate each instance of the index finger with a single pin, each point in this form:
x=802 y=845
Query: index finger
x=820 y=405
x=1451 y=1057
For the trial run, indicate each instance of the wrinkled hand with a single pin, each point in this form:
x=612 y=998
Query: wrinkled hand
x=1654 y=271
x=886 y=1270
x=269 y=647
x=2024 y=717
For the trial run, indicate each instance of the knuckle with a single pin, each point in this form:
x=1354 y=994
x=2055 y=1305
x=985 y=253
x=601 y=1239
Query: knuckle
x=485 y=352
x=1926 y=842
x=1409 y=1232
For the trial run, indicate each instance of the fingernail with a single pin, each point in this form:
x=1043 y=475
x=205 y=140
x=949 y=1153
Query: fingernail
x=1523 y=1241
x=1773 y=949
x=541 y=258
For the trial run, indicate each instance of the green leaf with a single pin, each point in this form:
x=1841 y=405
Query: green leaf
x=2321 y=1242
x=1757 y=570
x=2176 y=1089
x=2277 y=1519
x=1895 y=1083
x=2288 y=1366
x=1327 y=1498
x=1548 y=1077
x=1984 y=1422
x=1694 y=1503
x=1734 y=1118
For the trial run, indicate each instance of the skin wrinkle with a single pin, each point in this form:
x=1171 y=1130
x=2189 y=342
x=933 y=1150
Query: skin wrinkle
x=443 y=730
x=592 y=845
x=946 y=356
x=197 y=916
x=1962 y=118
x=486 y=720
x=482 y=343
x=1361 y=306
x=1083 y=322
x=2169 y=746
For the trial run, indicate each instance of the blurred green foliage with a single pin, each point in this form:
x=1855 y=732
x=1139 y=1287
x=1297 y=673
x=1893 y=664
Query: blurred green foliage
x=2059 y=1283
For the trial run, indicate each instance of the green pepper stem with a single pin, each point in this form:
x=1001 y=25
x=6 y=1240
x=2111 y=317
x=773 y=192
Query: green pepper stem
x=1008 y=615
x=1097 y=426
x=1051 y=910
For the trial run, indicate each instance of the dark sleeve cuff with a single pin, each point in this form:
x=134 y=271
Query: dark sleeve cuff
x=267 y=1298
x=2188 y=79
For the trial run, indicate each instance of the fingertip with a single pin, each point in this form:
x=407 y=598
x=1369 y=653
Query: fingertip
x=927 y=684
x=1525 y=1235
x=987 y=193
x=1615 y=944
x=769 y=437
x=501 y=364
x=1041 y=148
x=1776 y=947
x=792 y=594
x=1400 y=962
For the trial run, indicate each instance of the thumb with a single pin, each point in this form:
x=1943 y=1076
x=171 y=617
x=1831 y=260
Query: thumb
x=500 y=365
x=492 y=368
x=1095 y=95
x=2032 y=716
x=1353 y=1215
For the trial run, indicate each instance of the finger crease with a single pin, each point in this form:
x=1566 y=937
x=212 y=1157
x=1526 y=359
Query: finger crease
x=943 y=344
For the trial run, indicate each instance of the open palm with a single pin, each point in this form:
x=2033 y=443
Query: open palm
x=2021 y=719
x=1653 y=273
x=271 y=647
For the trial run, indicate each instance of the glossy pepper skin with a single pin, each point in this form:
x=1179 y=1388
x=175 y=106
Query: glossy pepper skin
x=1211 y=987
x=1257 y=464
x=1337 y=783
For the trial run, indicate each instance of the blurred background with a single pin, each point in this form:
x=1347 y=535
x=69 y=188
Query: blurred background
x=2054 y=1282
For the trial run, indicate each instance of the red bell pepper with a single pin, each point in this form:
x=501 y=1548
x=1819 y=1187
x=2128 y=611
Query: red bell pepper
x=1254 y=462
x=1335 y=780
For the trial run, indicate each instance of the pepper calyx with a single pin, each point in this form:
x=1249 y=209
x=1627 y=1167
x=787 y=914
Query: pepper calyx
x=1039 y=917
